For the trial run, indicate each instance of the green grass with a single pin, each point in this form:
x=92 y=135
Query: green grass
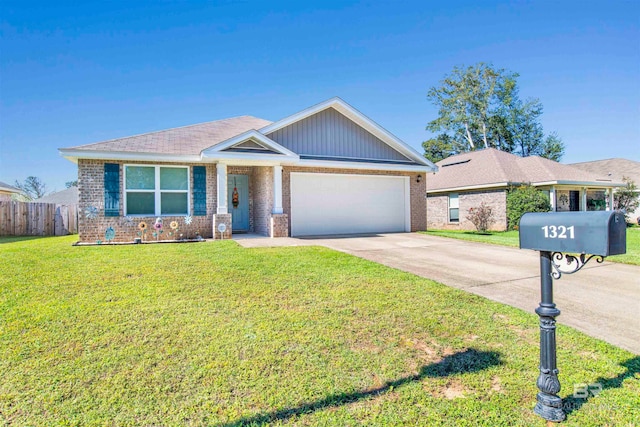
x=214 y=334
x=503 y=238
x=511 y=238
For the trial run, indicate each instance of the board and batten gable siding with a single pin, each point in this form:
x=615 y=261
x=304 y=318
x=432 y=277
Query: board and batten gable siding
x=330 y=134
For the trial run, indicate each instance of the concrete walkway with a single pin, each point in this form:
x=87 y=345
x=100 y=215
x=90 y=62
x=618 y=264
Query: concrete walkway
x=601 y=300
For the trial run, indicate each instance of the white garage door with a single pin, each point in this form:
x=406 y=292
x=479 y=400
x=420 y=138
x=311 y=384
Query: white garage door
x=323 y=204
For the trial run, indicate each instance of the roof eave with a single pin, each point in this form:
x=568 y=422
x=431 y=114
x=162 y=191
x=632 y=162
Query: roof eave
x=74 y=154
x=253 y=134
x=471 y=187
x=578 y=183
x=337 y=164
x=265 y=158
x=535 y=184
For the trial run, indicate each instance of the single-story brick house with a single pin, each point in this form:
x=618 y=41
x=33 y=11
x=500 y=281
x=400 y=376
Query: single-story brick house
x=325 y=170
x=466 y=180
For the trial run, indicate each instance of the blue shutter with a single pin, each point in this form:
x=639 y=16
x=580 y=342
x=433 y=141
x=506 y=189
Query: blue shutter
x=111 y=189
x=199 y=191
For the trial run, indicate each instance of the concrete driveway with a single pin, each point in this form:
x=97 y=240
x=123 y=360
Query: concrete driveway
x=601 y=300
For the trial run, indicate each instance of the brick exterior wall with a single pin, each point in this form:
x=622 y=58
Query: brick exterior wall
x=262 y=221
x=262 y=184
x=279 y=225
x=91 y=188
x=438 y=209
x=417 y=190
x=222 y=219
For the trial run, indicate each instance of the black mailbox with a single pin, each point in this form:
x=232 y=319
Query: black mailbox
x=601 y=233
x=553 y=234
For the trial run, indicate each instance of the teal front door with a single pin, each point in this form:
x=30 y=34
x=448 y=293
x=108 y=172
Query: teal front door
x=238 y=203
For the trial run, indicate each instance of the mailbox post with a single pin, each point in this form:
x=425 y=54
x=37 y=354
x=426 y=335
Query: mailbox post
x=575 y=238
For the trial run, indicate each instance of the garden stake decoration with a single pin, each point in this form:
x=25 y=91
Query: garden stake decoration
x=109 y=234
x=158 y=227
x=187 y=222
x=599 y=234
x=173 y=225
x=142 y=226
x=91 y=212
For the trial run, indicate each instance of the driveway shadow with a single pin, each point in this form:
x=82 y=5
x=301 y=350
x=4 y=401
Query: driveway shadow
x=467 y=361
x=572 y=403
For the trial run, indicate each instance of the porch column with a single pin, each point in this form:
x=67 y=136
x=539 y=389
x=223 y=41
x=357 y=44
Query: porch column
x=584 y=200
x=277 y=190
x=610 y=199
x=552 y=198
x=279 y=222
x=221 y=170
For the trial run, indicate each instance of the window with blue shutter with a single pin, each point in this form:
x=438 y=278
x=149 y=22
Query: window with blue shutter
x=111 y=189
x=199 y=191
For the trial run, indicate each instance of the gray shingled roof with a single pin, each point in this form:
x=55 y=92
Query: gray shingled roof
x=492 y=167
x=187 y=140
x=615 y=169
x=70 y=196
x=11 y=188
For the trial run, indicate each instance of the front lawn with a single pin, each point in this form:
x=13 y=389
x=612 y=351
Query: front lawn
x=511 y=238
x=214 y=334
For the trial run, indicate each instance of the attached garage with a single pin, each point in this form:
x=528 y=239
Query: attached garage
x=325 y=204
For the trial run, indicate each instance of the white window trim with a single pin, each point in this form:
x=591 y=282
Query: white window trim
x=157 y=191
x=449 y=208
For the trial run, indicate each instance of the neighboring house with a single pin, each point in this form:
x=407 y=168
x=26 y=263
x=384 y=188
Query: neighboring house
x=325 y=170
x=67 y=197
x=616 y=169
x=466 y=180
x=8 y=191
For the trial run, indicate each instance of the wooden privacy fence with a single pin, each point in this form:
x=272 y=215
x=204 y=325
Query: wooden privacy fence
x=37 y=219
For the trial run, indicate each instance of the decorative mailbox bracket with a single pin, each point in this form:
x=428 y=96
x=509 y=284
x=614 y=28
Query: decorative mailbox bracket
x=559 y=235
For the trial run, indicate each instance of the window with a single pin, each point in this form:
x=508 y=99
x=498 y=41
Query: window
x=156 y=190
x=454 y=215
x=596 y=200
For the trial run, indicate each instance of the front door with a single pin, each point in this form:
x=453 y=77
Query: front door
x=238 y=193
x=574 y=201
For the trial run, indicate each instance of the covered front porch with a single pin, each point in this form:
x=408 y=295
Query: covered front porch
x=249 y=200
x=568 y=198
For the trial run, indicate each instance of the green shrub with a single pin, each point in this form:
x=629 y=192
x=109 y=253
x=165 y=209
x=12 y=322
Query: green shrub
x=523 y=199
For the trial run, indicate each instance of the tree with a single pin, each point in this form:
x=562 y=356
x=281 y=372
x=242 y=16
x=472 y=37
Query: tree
x=33 y=187
x=627 y=198
x=70 y=184
x=479 y=106
x=552 y=147
x=441 y=147
x=523 y=199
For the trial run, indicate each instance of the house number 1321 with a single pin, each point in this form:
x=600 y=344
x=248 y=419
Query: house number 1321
x=559 y=232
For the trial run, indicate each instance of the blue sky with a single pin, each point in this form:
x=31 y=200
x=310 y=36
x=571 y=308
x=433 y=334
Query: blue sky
x=73 y=73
